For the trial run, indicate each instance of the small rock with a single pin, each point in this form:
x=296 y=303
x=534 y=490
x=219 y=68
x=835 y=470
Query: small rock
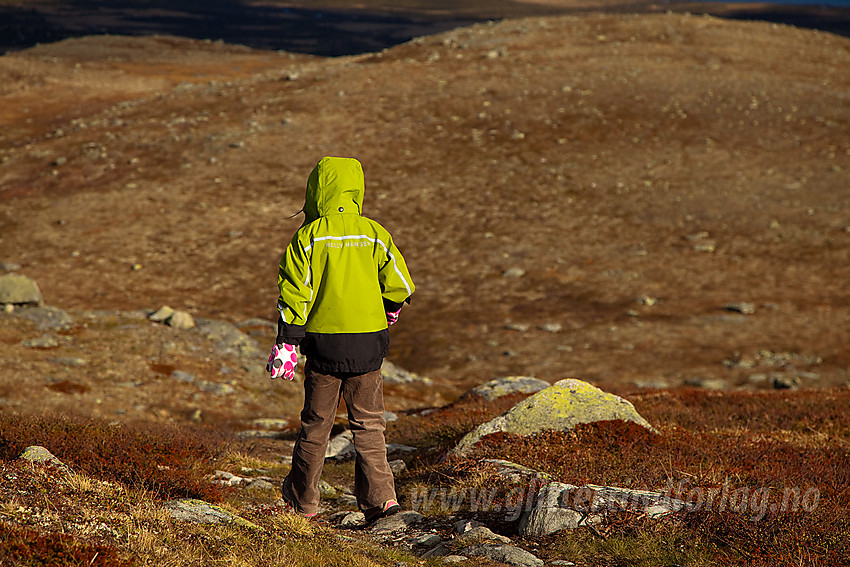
x=697 y=236
x=397 y=466
x=504 y=554
x=520 y=327
x=38 y=454
x=341 y=446
x=9 y=267
x=464 y=526
x=442 y=550
x=229 y=340
x=181 y=376
x=226 y=478
x=47 y=317
x=707 y=383
x=200 y=512
x=353 y=520
x=327 y=491
x=389 y=416
x=785 y=382
x=454 y=559
x=19 y=290
x=548 y=516
x=427 y=540
x=514 y=272
x=180 y=320
x=506 y=385
x=651 y=384
x=394 y=448
x=270 y=423
x=216 y=388
x=552 y=327
x=393 y=374
x=347 y=500
x=396 y=522
x=261 y=484
x=161 y=314
x=744 y=308
x=481 y=534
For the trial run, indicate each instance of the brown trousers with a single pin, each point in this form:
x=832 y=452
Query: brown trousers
x=364 y=398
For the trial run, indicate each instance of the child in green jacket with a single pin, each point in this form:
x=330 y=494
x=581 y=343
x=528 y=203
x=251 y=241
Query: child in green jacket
x=342 y=283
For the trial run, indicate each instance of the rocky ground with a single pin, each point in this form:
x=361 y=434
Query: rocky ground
x=213 y=372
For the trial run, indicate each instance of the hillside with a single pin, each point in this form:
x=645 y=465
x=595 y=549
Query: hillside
x=643 y=202
x=641 y=172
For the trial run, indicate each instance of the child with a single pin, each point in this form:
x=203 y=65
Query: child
x=342 y=282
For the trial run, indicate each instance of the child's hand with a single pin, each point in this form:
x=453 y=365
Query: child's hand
x=282 y=362
x=392 y=316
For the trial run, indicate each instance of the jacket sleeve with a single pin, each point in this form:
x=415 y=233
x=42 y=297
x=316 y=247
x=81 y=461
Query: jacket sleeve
x=395 y=281
x=296 y=293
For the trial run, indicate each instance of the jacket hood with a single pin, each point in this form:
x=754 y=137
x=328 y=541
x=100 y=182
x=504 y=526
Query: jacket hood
x=336 y=185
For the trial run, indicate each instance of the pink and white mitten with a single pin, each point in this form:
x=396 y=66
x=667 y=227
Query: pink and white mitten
x=282 y=362
x=392 y=316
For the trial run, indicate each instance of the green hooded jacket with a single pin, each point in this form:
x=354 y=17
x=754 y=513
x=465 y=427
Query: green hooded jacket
x=339 y=275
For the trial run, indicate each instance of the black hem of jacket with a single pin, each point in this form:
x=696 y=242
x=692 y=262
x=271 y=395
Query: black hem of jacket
x=355 y=353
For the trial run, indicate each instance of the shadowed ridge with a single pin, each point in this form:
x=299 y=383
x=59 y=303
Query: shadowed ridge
x=334 y=31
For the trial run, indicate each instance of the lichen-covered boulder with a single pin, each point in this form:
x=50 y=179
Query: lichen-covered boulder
x=560 y=407
x=506 y=385
x=16 y=289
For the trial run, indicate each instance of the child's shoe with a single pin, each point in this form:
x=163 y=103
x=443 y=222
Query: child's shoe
x=388 y=508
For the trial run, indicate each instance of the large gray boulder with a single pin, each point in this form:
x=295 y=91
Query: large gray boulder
x=16 y=289
x=560 y=407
